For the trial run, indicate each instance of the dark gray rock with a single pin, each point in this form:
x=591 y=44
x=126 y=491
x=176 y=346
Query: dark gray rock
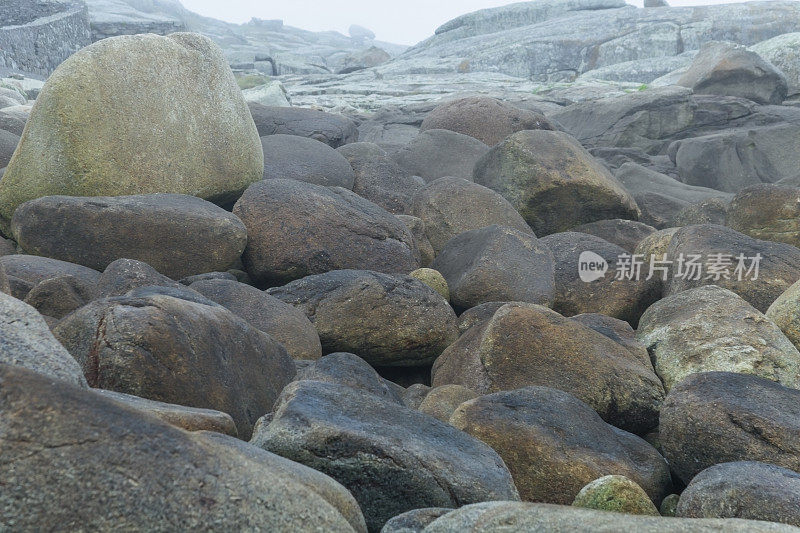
x=414 y=521
x=266 y=313
x=387 y=320
x=496 y=263
x=29 y=270
x=333 y=130
x=298 y=229
x=124 y=275
x=176 y=234
x=720 y=417
x=352 y=371
x=418 y=230
x=8 y=143
x=767 y=212
x=391 y=458
x=170 y=349
x=624 y=233
x=435 y=154
x=59 y=296
x=710 y=211
x=745 y=489
x=298 y=158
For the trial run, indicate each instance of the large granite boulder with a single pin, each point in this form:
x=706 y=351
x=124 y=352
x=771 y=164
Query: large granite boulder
x=168 y=348
x=496 y=264
x=617 y=494
x=387 y=320
x=26 y=271
x=436 y=154
x=713 y=329
x=299 y=158
x=730 y=70
x=782 y=52
x=767 y=212
x=758 y=271
x=94 y=132
x=743 y=489
x=351 y=371
x=487 y=119
x=720 y=417
x=334 y=130
x=60 y=441
x=526 y=344
x=450 y=206
x=178 y=235
x=554 y=444
x=553 y=182
x=391 y=458
x=298 y=229
x=626 y=234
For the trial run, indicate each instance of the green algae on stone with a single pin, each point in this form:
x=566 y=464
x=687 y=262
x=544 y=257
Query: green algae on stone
x=615 y=493
x=433 y=279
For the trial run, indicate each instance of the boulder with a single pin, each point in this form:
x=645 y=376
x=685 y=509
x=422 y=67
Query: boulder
x=617 y=330
x=391 y=458
x=451 y=206
x=782 y=52
x=710 y=211
x=188 y=418
x=476 y=315
x=442 y=401
x=169 y=349
x=713 y=329
x=272 y=93
x=363 y=59
x=615 y=288
x=758 y=271
x=494 y=517
x=553 y=182
x=434 y=154
x=387 y=320
x=26 y=341
x=720 y=417
x=417 y=228
x=351 y=371
x=433 y=279
x=57 y=297
x=487 y=119
x=178 y=235
x=63 y=440
x=8 y=143
x=334 y=130
x=124 y=275
x=414 y=521
x=298 y=229
x=303 y=159
x=25 y=271
x=743 y=489
x=526 y=344
x=496 y=263
x=92 y=132
x=554 y=444
x=626 y=234
x=615 y=493
x=767 y=212
x=731 y=70
x=266 y=313
x=382 y=181
x=785 y=313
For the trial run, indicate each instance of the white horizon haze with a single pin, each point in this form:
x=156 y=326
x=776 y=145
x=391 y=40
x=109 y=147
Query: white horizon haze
x=401 y=22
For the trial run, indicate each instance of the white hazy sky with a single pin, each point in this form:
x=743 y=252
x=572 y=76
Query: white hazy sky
x=397 y=21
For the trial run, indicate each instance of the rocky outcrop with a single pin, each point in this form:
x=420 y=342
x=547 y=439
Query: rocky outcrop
x=36 y=37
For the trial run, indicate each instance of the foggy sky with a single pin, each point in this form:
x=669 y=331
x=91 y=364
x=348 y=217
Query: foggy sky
x=397 y=21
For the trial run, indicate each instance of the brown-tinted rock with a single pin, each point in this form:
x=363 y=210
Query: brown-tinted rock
x=169 y=349
x=626 y=234
x=476 y=315
x=767 y=212
x=417 y=227
x=487 y=119
x=298 y=229
x=124 y=275
x=387 y=320
x=30 y=270
x=553 y=182
x=290 y=157
x=58 y=297
x=434 y=154
x=554 y=444
x=442 y=401
x=720 y=417
x=710 y=211
x=526 y=344
x=266 y=313
x=452 y=206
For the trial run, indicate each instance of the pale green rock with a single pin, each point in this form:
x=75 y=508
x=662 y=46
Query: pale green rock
x=433 y=279
x=137 y=114
x=615 y=493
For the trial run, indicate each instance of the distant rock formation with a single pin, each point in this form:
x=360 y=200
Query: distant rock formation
x=35 y=37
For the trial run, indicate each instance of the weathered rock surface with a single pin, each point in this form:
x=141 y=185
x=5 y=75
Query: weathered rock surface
x=178 y=235
x=392 y=459
x=124 y=275
x=26 y=271
x=266 y=313
x=26 y=341
x=553 y=182
x=435 y=154
x=767 y=212
x=165 y=348
x=298 y=229
x=59 y=296
x=615 y=493
x=387 y=320
x=442 y=401
x=712 y=329
x=58 y=442
x=298 y=158
x=624 y=233
x=334 y=130
x=450 y=206
x=525 y=344
x=113 y=137
x=417 y=227
x=746 y=489
x=414 y=521
x=554 y=444
x=350 y=370
x=781 y=51
x=720 y=417
x=495 y=264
